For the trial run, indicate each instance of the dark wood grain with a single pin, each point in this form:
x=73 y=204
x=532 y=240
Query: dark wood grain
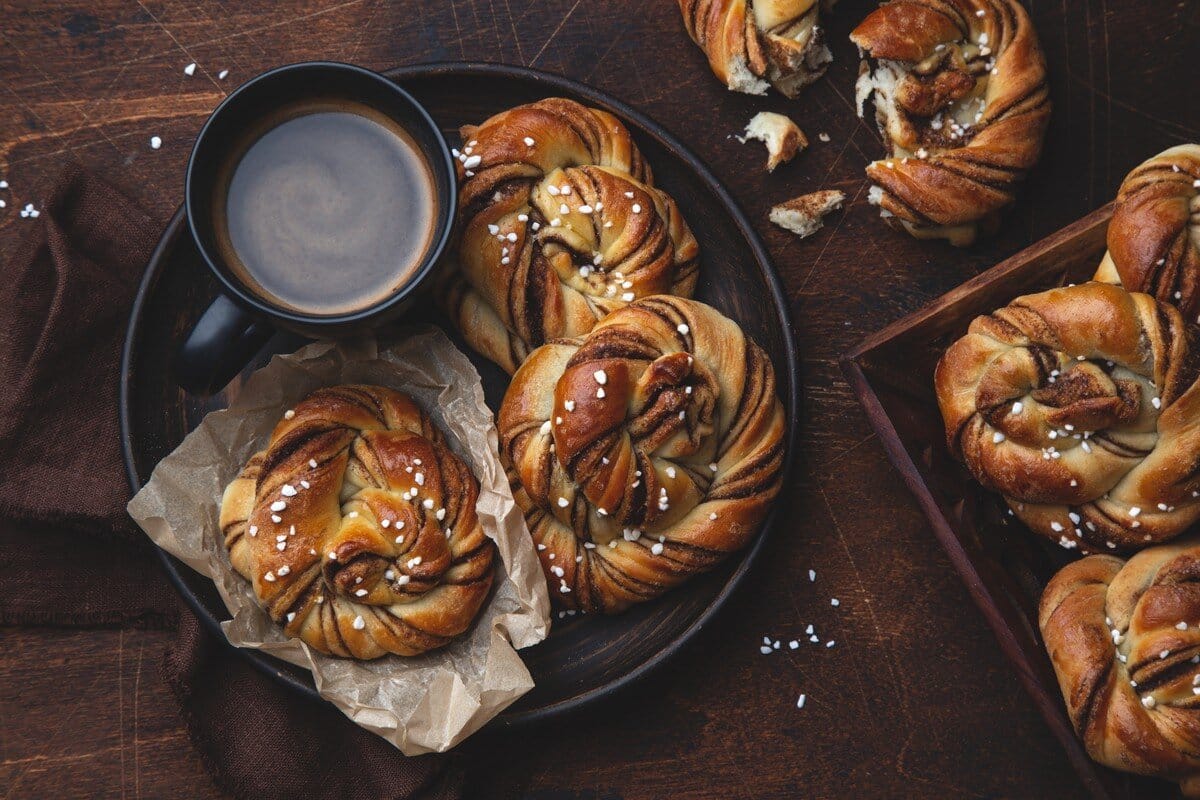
x=916 y=698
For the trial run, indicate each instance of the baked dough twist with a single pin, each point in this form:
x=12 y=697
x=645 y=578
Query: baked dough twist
x=1154 y=236
x=1080 y=406
x=1124 y=637
x=754 y=44
x=962 y=102
x=357 y=527
x=559 y=225
x=644 y=452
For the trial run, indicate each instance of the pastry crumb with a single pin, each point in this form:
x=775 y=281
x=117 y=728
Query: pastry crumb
x=804 y=215
x=783 y=138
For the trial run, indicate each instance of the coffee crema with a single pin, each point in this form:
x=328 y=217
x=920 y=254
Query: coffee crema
x=325 y=208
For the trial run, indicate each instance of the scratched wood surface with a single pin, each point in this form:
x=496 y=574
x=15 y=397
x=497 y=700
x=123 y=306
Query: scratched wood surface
x=914 y=699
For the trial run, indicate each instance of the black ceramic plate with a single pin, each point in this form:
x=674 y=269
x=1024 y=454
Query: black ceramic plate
x=584 y=658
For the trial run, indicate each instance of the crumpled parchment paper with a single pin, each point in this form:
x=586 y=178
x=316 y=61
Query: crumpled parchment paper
x=426 y=703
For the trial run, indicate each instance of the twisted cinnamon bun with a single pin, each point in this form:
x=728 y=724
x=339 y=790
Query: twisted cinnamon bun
x=962 y=102
x=643 y=452
x=1154 y=236
x=754 y=44
x=560 y=224
x=1124 y=638
x=1079 y=405
x=357 y=527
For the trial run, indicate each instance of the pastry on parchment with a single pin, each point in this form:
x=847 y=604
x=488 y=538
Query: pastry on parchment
x=559 y=224
x=356 y=527
x=1080 y=405
x=1154 y=235
x=1124 y=638
x=644 y=452
x=962 y=102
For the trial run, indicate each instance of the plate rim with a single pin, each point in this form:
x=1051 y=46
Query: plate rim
x=267 y=664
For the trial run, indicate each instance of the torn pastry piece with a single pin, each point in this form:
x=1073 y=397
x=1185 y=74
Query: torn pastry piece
x=1154 y=236
x=804 y=215
x=962 y=102
x=1079 y=406
x=783 y=138
x=752 y=45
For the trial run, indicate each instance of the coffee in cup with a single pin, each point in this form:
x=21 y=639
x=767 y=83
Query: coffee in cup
x=325 y=207
x=320 y=197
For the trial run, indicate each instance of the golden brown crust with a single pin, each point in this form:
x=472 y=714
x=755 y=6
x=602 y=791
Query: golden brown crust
x=1079 y=406
x=357 y=527
x=1154 y=236
x=752 y=44
x=962 y=101
x=1124 y=638
x=644 y=452
x=559 y=224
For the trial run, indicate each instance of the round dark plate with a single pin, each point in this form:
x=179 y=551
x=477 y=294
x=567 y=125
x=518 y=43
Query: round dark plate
x=584 y=658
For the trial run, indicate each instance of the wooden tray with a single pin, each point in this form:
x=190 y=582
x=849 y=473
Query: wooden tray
x=1003 y=565
x=584 y=659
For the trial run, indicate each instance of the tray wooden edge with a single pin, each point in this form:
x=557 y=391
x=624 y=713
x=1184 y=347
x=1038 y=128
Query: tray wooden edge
x=1049 y=704
x=1019 y=261
x=994 y=607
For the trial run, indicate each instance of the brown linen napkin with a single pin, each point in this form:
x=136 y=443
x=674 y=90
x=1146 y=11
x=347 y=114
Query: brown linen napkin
x=293 y=746
x=73 y=557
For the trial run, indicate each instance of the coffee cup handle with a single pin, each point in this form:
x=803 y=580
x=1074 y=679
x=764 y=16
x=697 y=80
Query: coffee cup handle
x=221 y=343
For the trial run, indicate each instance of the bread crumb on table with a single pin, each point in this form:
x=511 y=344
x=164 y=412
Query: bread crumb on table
x=783 y=138
x=804 y=215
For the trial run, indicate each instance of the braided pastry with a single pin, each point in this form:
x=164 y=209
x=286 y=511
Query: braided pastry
x=962 y=102
x=1154 y=236
x=753 y=44
x=560 y=224
x=1124 y=637
x=357 y=527
x=1079 y=405
x=644 y=452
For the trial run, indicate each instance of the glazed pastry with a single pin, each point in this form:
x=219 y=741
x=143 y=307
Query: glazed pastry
x=1079 y=405
x=644 y=452
x=356 y=527
x=754 y=44
x=1124 y=638
x=559 y=225
x=1154 y=236
x=962 y=102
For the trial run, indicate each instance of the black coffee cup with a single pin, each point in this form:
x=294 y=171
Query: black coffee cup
x=241 y=320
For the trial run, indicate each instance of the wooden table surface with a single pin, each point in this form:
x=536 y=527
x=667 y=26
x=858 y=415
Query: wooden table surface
x=915 y=699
